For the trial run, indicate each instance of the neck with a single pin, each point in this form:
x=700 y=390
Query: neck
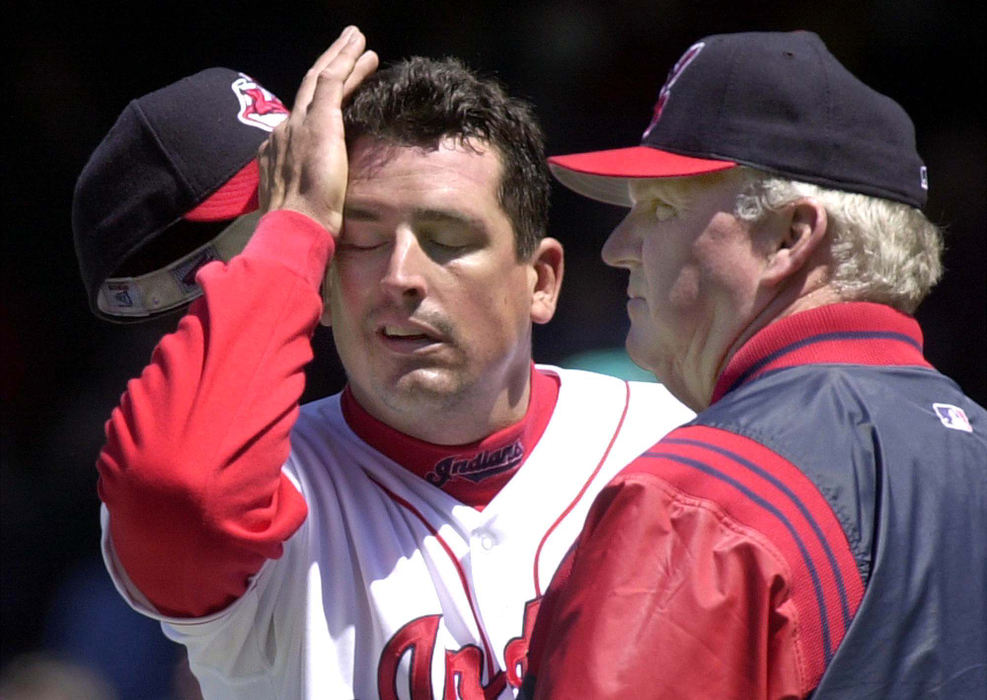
x=813 y=293
x=472 y=473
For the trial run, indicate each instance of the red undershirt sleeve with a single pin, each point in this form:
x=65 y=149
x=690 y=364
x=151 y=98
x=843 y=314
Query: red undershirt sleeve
x=667 y=598
x=191 y=469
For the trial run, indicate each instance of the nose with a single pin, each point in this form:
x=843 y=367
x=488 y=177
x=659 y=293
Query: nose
x=620 y=248
x=404 y=277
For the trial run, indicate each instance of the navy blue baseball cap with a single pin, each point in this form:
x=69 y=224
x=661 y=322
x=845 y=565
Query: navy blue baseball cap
x=172 y=186
x=776 y=101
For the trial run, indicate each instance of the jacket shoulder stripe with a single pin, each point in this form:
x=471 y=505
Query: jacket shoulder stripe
x=761 y=490
x=798 y=503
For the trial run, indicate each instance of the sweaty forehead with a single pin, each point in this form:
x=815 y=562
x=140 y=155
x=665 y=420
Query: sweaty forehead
x=452 y=177
x=370 y=158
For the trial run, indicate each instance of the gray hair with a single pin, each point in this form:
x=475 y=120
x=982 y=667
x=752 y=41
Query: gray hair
x=884 y=251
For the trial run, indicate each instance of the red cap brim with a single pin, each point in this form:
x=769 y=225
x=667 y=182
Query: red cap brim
x=603 y=175
x=238 y=196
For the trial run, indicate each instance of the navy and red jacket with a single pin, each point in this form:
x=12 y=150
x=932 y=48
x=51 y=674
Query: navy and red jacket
x=820 y=529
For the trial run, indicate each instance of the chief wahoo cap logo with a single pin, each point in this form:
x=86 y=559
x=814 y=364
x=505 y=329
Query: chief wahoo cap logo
x=258 y=106
x=673 y=75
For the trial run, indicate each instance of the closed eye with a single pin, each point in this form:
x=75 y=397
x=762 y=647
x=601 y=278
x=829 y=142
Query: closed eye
x=446 y=244
x=360 y=235
x=348 y=245
x=447 y=236
x=443 y=252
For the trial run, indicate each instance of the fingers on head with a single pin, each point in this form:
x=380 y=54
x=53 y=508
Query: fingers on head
x=365 y=65
x=339 y=56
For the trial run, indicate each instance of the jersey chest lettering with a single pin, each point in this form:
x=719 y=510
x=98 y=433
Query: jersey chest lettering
x=463 y=667
x=477 y=467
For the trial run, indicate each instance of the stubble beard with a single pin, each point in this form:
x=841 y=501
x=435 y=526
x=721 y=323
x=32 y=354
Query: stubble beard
x=431 y=390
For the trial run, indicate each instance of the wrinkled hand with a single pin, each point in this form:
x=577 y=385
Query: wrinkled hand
x=303 y=165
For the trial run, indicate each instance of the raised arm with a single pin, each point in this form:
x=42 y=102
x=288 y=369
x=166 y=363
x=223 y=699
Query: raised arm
x=191 y=471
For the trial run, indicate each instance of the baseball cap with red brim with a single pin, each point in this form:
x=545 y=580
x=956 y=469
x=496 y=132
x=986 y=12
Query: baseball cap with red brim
x=779 y=102
x=172 y=186
x=235 y=197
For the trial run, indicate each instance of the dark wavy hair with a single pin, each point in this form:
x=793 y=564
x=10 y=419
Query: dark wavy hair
x=421 y=101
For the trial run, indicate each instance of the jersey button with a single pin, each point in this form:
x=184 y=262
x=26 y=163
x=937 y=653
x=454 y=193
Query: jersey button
x=487 y=541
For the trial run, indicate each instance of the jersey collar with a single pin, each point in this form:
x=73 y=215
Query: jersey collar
x=473 y=473
x=861 y=333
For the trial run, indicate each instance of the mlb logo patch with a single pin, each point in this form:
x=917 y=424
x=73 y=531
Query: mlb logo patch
x=120 y=294
x=952 y=417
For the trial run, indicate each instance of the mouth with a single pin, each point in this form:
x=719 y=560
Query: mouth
x=407 y=338
x=397 y=333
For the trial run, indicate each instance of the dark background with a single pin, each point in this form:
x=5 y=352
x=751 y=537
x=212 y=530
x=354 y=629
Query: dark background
x=593 y=70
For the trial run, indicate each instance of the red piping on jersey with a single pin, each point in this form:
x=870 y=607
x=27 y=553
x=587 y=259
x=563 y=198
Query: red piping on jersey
x=459 y=569
x=582 y=491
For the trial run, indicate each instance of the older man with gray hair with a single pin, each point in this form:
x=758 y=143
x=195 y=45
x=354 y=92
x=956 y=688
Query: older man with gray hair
x=820 y=527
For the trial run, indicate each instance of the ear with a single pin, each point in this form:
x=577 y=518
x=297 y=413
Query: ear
x=547 y=266
x=797 y=233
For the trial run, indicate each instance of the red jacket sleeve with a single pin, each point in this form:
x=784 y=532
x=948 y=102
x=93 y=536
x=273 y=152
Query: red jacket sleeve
x=191 y=469
x=667 y=597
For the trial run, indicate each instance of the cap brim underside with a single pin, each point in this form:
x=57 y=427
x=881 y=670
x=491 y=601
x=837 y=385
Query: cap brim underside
x=158 y=292
x=604 y=175
x=236 y=197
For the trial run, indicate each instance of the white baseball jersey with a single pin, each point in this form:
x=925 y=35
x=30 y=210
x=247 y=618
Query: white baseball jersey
x=291 y=556
x=394 y=589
